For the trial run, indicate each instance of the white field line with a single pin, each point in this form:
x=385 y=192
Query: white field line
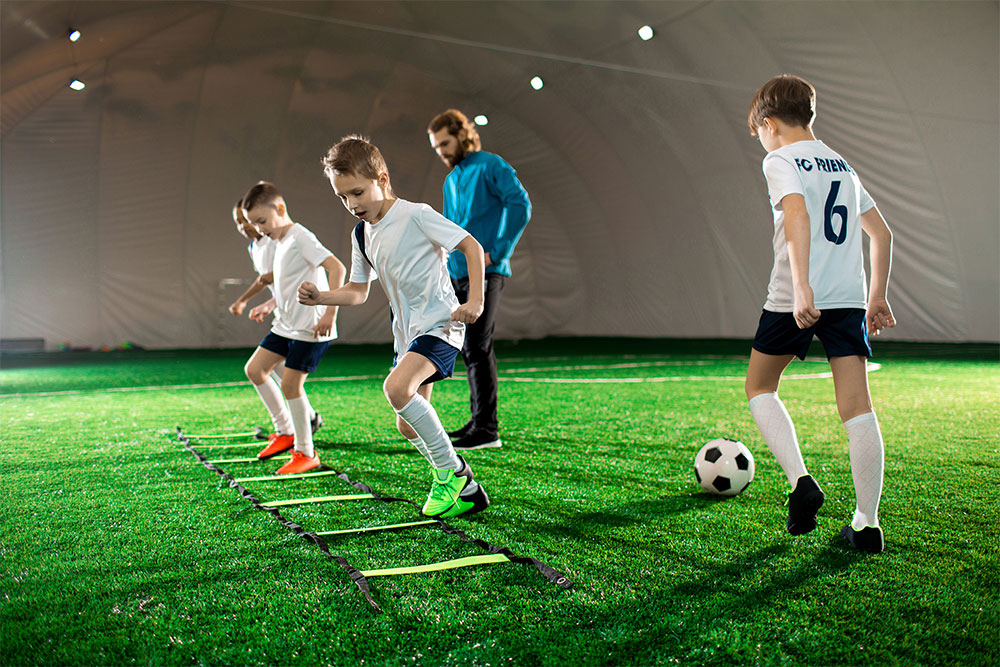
x=350 y=378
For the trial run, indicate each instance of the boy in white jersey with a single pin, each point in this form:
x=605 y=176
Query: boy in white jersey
x=406 y=245
x=299 y=335
x=261 y=251
x=817 y=287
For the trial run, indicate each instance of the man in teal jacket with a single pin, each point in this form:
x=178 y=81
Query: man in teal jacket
x=483 y=196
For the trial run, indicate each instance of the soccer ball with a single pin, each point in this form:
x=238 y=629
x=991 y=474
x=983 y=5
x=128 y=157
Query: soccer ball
x=724 y=467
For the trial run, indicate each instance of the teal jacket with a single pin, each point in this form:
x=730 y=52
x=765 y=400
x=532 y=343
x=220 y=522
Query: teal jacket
x=483 y=196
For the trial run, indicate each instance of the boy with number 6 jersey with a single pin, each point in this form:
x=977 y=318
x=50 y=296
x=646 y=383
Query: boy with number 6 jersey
x=817 y=287
x=405 y=245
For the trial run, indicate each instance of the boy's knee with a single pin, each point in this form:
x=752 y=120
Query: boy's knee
x=396 y=392
x=252 y=373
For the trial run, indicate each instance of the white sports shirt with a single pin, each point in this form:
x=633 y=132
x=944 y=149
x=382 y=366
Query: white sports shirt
x=297 y=258
x=409 y=248
x=262 y=255
x=835 y=200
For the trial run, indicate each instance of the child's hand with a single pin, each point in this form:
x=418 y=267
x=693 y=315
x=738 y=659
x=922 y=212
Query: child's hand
x=324 y=326
x=258 y=313
x=236 y=308
x=468 y=312
x=879 y=316
x=805 y=312
x=308 y=294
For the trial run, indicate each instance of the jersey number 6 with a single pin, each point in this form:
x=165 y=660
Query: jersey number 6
x=832 y=209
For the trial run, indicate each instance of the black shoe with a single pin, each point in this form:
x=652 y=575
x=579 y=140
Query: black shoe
x=316 y=422
x=477 y=438
x=462 y=432
x=868 y=539
x=803 y=504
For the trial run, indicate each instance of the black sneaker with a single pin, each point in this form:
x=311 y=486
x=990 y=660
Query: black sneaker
x=868 y=539
x=462 y=432
x=316 y=422
x=477 y=438
x=803 y=504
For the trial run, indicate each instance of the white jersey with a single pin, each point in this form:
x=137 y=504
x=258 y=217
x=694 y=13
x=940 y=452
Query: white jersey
x=835 y=200
x=409 y=248
x=262 y=255
x=297 y=258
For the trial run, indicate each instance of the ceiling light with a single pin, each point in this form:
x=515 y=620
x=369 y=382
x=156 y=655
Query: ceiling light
x=74 y=34
x=537 y=83
x=76 y=84
x=645 y=33
x=481 y=120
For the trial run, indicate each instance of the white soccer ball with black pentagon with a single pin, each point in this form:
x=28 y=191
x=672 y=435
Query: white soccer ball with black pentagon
x=724 y=467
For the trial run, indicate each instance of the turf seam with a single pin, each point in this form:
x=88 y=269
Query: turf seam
x=354 y=573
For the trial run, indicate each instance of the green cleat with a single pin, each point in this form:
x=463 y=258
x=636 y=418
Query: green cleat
x=454 y=493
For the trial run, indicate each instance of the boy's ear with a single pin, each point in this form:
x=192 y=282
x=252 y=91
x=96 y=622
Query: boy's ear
x=383 y=180
x=279 y=206
x=771 y=126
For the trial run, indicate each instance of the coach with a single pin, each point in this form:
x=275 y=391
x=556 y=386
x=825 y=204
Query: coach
x=483 y=196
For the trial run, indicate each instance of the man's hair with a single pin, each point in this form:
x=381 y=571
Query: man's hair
x=788 y=98
x=456 y=121
x=261 y=194
x=355 y=155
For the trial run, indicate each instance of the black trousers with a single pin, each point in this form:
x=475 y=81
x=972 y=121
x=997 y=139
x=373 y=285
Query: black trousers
x=480 y=363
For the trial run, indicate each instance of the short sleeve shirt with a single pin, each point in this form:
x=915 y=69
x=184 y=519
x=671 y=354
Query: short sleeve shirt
x=262 y=255
x=409 y=247
x=835 y=200
x=297 y=258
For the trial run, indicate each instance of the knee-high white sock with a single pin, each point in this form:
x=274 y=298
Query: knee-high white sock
x=301 y=412
x=421 y=446
x=779 y=433
x=867 y=463
x=278 y=371
x=423 y=419
x=270 y=395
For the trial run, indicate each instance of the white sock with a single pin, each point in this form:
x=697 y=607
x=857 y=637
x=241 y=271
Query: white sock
x=270 y=394
x=779 y=433
x=867 y=463
x=423 y=419
x=278 y=371
x=301 y=410
x=421 y=446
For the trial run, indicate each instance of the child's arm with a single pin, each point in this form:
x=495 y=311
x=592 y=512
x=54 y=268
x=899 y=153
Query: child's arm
x=335 y=273
x=349 y=294
x=879 y=315
x=471 y=310
x=797 y=239
x=262 y=281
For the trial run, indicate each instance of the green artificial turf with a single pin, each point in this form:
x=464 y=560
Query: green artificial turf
x=118 y=546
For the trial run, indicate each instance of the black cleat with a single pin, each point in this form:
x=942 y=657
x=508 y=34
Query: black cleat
x=803 y=504
x=477 y=438
x=316 y=422
x=462 y=432
x=868 y=539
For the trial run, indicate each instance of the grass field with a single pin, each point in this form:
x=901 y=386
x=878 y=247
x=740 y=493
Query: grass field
x=118 y=546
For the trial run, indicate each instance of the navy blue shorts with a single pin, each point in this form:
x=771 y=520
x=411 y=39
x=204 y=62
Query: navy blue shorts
x=440 y=353
x=299 y=355
x=842 y=331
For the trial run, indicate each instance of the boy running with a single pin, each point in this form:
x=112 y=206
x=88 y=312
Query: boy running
x=299 y=335
x=406 y=245
x=817 y=287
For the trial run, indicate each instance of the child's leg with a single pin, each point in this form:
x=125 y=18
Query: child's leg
x=407 y=431
x=258 y=369
x=292 y=386
x=401 y=389
x=773 y=420
x=867 y=450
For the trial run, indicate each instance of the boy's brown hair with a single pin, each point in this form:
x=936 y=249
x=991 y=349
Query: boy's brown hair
x=356 y=155
x=788 y=98
x=456 y=121
x=260 y=194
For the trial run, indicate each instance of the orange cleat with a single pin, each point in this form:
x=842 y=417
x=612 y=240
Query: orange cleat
x=276 y=444
x=299 y=463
